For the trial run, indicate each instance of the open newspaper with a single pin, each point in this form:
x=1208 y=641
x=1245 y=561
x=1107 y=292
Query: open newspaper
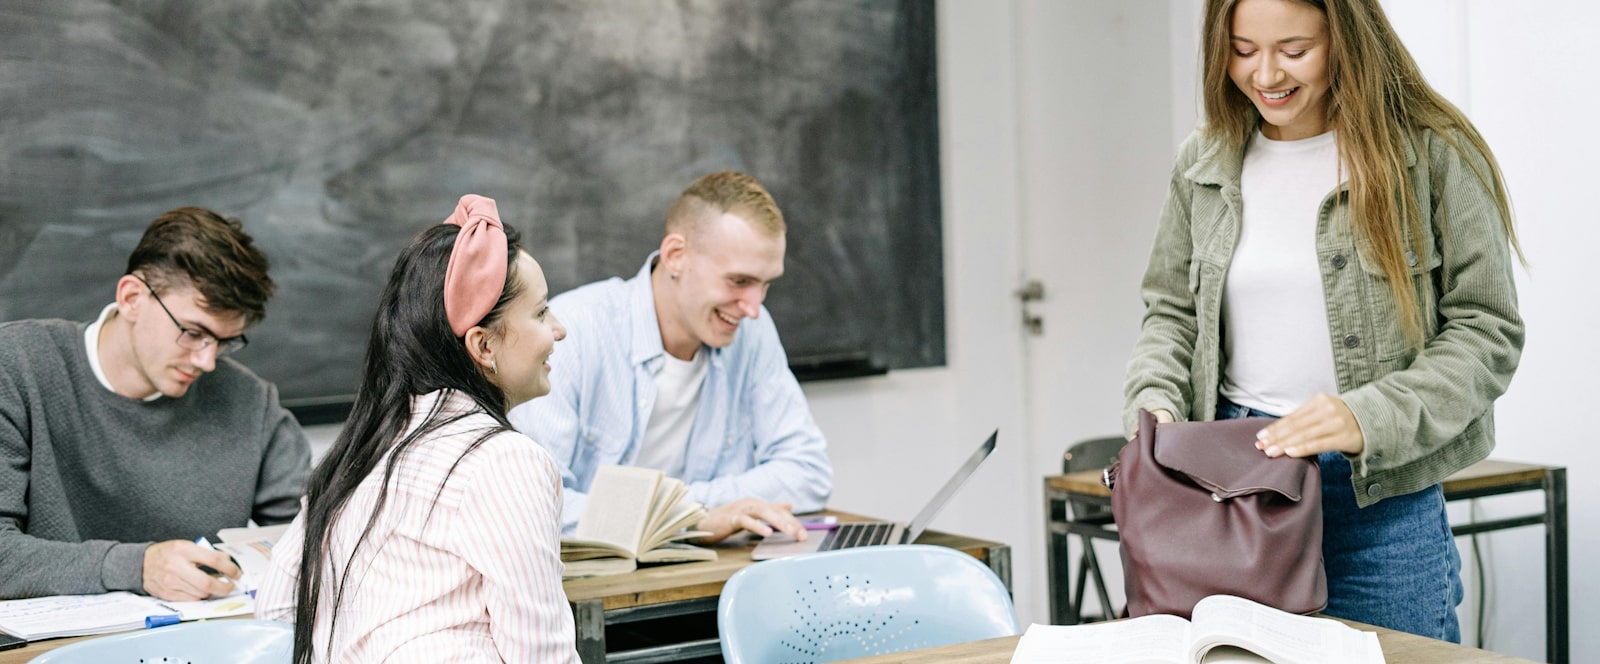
x=634 y=515
x=1224 y=629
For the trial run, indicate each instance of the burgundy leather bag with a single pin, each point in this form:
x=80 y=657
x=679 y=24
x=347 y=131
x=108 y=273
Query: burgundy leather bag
x=1202 y=512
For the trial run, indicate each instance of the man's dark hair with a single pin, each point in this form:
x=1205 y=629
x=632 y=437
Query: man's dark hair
x=196 y=247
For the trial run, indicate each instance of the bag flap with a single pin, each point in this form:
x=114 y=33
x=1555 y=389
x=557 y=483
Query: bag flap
x=1222 y=457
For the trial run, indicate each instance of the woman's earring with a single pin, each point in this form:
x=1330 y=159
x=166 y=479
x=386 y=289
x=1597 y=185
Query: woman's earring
x=674 y=276
x=494 y=367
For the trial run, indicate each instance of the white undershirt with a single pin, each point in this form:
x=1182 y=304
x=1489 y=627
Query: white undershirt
x=1274 y=313
x=91 y=340
x=666 y=437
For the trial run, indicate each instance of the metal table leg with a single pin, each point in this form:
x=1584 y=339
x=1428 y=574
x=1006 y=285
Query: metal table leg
x=1555 y=565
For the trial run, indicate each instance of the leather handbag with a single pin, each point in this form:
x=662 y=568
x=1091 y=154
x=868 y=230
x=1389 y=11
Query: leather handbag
x=1202 y=512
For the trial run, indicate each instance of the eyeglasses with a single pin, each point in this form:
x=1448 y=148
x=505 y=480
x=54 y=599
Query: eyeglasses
x=197 y=339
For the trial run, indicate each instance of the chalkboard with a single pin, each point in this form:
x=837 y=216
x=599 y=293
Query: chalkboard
x=336 y=130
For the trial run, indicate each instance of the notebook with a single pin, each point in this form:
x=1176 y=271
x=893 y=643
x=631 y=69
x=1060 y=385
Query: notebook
x=875 y=533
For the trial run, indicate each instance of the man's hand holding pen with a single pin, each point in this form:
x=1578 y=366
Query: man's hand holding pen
x=181 y=570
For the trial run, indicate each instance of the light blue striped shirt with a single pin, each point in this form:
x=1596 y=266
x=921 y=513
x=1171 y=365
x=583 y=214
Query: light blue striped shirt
x=752 y=435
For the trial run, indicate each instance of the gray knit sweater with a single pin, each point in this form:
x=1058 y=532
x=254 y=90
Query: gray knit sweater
x=89 y=478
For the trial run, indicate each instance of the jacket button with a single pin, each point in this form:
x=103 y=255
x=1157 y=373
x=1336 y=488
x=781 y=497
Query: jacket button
x=1374 y=489
x=1411 y=258
x=1339 y=261
x=1351 y=341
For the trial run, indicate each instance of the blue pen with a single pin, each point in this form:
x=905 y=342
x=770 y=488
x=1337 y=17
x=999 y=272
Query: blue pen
x=206 y=544
x=152 y=622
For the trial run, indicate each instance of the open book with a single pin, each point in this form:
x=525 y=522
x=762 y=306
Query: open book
x=1224 y=629
x=79 y=615
x=251 y=548
x=634 y=515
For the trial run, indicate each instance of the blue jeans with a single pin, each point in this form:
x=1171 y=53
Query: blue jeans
x=1393 y=564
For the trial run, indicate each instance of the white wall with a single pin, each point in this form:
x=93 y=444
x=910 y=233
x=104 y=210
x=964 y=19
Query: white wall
x=894 y=439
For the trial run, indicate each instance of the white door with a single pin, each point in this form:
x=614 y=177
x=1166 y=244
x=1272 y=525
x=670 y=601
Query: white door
x=1097 y=115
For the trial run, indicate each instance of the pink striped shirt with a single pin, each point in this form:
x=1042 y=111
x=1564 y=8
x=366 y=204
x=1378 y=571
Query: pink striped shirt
x=477 y=581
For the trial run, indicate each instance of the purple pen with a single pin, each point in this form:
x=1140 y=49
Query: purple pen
x=819 y=522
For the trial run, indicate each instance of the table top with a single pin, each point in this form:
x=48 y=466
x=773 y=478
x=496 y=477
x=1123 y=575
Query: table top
x=1398 y=648
x=696 y=580
x=649 y=585
x=1481 y=475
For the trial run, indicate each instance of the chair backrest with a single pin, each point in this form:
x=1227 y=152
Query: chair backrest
x=232 y=641
x=858 y=602
x=1091 y=454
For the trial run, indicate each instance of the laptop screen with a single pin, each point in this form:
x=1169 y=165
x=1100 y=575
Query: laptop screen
x=917 y=525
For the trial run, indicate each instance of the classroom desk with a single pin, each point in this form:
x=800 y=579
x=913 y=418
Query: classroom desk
x=1490 y=477
x=1398 y=648
x=655 y=592
x=689 y=588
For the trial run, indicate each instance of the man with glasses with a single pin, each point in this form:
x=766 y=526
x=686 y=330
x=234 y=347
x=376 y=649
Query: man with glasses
x=125 y=439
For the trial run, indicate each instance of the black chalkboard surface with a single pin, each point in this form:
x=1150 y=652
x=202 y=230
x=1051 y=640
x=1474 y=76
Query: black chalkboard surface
x=335 y=130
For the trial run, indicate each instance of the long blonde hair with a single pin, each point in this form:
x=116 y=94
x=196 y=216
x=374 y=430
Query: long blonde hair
x=1378 y=101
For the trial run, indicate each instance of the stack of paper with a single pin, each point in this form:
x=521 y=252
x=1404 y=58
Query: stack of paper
x=79 y=615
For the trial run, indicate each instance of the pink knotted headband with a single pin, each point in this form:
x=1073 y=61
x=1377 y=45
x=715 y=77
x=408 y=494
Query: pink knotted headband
x=477 y=271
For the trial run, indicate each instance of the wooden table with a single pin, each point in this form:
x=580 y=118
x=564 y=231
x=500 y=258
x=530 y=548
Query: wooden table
x=655 y=592
x=694 y=588
x=1398 y=648
x=1486 y=478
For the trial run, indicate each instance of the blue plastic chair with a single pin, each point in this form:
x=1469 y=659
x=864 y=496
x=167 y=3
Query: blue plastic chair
x=860 y=602
x=231 y=641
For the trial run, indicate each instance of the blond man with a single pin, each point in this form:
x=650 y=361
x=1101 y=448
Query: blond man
x=680 y=368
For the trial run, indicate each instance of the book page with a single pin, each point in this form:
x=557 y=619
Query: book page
x=668 y=495
x=674 y=524
x=237 y=604
x=1281 y=637
x=618 y=508
x=254 y=558
x=252 y=534
x=1155 y=639
x=1232 y=655
x=677 y=553
x=576 y=549
x=76 y=615
x=598 y=567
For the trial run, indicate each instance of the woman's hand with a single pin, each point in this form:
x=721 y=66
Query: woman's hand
x=1162 y=417
x=1322 y=424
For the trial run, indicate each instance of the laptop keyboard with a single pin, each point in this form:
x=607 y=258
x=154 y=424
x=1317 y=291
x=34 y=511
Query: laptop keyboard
x=851 y=535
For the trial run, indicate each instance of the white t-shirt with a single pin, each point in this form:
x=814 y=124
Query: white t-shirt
x=666 y=436
x=1274 y=314
x=91 y=341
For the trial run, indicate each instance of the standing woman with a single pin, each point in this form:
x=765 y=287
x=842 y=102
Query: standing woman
x=431 y=529
x=1335 y=250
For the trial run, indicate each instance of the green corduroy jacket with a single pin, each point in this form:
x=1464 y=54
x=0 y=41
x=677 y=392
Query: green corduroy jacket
x=1424 y=415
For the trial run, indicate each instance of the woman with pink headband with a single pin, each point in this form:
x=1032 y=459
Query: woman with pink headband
x=431 y=531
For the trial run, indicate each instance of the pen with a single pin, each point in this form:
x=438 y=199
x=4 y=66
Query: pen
x=828 y=522
x=204 y=543
x=152 y=622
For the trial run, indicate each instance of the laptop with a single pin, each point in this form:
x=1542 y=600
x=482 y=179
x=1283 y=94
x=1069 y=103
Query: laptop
x=875 y=533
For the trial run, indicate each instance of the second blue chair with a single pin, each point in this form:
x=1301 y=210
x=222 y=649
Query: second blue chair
x=232 y=641
x=859 y=602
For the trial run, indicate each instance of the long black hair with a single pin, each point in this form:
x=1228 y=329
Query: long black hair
x=411 y=351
